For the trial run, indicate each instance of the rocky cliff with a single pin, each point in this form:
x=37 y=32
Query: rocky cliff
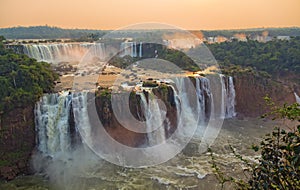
x=251 y=90
x=17 y=137
x=117 y=130
x=17 y=141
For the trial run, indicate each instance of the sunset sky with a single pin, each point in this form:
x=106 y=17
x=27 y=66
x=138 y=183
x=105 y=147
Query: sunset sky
x=188 y=14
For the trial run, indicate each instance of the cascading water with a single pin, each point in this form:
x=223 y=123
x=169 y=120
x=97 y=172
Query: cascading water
x=189 y=111
x=230 y=106
x=297 y=98
x=205 y=98
x=80 y=110
x=64 y=52
x=223 y=96
x=228 y=97
x=74 y=52
x=52 y=121
x=52 y=114
x=155 y=117
x=141 y=49
x=133 y=49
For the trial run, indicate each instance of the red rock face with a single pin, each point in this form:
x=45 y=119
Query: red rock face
x=114 y=128
x=17 y=140
x=250 y=93
x=125 y=136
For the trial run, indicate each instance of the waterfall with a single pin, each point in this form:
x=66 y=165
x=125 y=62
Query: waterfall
x=141 y=51
x=188 y=103
x=194 y=105
x=230 y=106
x=74 y=52
x=52 y=123
x=64 y=52
x=205 y=99
x=133 y=49
x=155 y=117
x=80 y=109
x=297 y=98
x=227 y=97
x=223 y=96
x=191 y=110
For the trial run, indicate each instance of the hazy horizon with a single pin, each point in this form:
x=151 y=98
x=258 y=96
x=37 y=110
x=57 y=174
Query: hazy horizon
x=114 y=14
x=76 y=28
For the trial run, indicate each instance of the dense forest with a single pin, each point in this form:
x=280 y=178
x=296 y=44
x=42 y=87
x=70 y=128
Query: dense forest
x=274 y=57
x=293 y=31
x=22 y=79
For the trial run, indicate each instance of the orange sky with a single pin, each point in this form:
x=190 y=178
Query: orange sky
x=187 y=14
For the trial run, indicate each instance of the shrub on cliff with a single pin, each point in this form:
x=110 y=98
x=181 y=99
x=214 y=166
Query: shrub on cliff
x=22 y=79
x=150 y=84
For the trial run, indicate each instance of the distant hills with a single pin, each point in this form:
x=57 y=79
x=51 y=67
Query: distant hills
x=48 y=32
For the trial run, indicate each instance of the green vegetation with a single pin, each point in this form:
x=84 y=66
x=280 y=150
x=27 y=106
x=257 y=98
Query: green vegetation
x=180 y=59
x=122 y=62
x=293 y=31
x=46 y=32
x=150 y=84
x=273 y=57
x=104 y=93
x=22 y=80
x=279 y=164
x=233 y=70
x=163 y=87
